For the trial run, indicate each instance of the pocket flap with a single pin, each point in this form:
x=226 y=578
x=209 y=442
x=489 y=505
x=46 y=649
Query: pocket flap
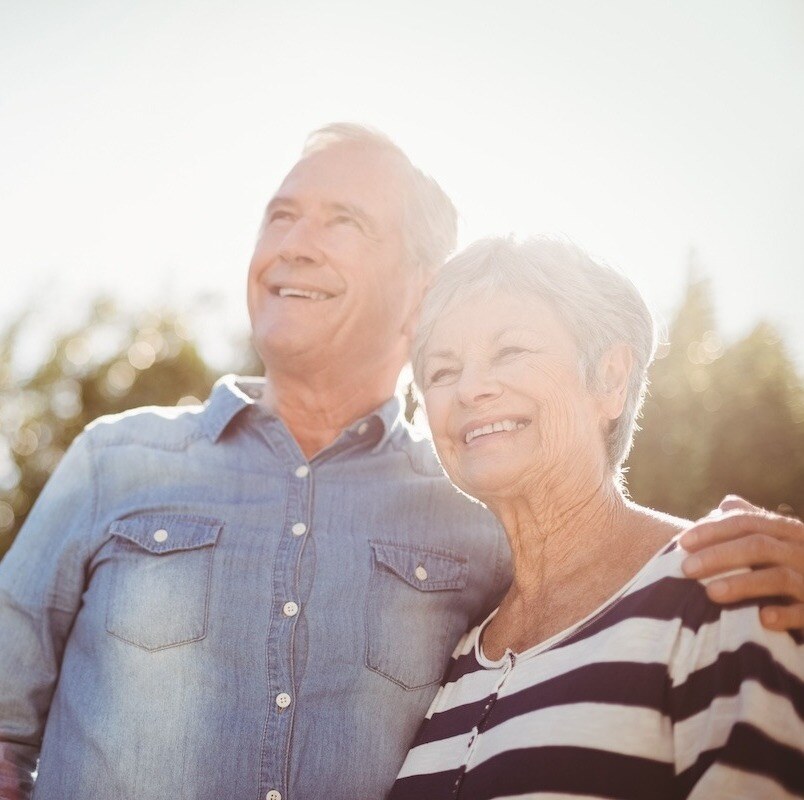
x=428 y=570
x=166 y=533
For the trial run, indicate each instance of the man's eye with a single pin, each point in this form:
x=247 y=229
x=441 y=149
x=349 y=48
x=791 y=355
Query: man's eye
x=343 y=219
x=279 y=215
x=506 y=352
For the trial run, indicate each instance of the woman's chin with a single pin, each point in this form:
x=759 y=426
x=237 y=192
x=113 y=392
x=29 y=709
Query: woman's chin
x=487 y=483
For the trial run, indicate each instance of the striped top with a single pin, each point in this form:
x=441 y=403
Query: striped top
x=659 y=693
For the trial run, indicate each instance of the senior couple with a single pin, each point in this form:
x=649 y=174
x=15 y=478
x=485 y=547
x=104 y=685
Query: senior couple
x=259 y=598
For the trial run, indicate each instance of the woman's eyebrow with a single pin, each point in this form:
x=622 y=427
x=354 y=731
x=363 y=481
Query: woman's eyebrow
x=447 y=354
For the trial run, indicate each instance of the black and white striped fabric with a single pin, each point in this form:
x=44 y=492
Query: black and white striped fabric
x=658 y=694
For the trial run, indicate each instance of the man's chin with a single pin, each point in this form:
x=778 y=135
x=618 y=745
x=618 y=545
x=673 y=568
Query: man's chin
x=285 y=349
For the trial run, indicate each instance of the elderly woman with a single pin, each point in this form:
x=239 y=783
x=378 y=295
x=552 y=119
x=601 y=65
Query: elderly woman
x=604 y=672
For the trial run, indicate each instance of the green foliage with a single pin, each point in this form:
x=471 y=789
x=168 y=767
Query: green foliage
x=718 y=419
x=110 y=364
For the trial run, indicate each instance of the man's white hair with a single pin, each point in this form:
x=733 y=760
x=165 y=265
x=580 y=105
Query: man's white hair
x=431 y=221
x=597 y=303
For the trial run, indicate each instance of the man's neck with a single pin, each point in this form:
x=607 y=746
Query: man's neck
x=316 y=409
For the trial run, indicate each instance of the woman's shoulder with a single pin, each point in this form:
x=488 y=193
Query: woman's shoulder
x=705 y=629
x=661 y=589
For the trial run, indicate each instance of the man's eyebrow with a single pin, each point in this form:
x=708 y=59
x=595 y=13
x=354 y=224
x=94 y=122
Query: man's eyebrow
x=279 y=200
x=354 y=211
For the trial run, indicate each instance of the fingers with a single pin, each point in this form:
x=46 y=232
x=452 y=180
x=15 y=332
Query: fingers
x=783 y=618
x=770 y=582
x=733 y=502
x=735 y=524
x=752 y=550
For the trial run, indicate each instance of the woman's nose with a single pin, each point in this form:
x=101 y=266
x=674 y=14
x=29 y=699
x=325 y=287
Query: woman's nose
x=478 y=385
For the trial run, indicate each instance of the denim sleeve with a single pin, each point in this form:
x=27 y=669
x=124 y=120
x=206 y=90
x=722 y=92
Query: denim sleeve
x=41 y=583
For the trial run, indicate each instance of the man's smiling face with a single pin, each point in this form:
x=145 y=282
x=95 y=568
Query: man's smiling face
x=329 y=280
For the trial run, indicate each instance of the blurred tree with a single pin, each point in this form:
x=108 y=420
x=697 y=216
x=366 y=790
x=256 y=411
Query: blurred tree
x=112 y=363
x=719 y=420
x=757 y=434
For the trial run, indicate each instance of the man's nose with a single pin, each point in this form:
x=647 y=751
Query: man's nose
x=299 y=244
x=478 y=385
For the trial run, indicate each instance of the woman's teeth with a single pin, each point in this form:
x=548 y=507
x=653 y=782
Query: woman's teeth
x=495 y=427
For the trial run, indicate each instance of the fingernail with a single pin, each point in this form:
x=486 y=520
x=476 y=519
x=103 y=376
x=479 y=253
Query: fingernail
x=718 y=588
x=692 y=565
x=769 y=615
x=689 y=539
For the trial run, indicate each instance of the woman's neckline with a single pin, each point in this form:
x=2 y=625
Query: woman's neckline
x=555 y=638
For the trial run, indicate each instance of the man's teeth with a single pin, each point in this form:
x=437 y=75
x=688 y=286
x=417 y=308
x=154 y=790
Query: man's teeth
x=495 y=427
x=286 y=291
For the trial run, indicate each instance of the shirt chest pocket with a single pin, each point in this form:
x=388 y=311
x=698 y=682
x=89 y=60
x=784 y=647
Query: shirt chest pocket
x=414 y=612
x=162 y=565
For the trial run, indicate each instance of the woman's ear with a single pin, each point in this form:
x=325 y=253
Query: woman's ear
x=614 y=371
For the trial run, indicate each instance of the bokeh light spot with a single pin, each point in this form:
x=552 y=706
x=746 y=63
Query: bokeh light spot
x=141 y=355
x=77 y=352
x=120 y=377
x=6 y=516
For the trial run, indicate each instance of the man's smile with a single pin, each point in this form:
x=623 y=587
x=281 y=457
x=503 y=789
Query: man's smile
x=290 y=291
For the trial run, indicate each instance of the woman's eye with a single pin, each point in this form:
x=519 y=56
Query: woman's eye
x=506 y=352
x=345 y=220
x=440 y=376
x=279 y=215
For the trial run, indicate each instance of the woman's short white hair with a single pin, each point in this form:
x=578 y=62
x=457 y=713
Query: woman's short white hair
x=431 y=221
x=597 y=303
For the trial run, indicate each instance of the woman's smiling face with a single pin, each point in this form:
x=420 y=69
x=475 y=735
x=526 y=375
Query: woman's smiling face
x=505 y=397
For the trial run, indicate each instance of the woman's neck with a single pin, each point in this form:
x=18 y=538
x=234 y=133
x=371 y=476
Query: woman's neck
x=573 y=546
x=556 y=534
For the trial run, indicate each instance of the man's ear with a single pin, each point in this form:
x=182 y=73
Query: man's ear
x=418 y=291
x=614 y=371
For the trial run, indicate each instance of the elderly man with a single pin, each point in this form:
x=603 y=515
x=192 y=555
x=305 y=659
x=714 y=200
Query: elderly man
x=257 y=599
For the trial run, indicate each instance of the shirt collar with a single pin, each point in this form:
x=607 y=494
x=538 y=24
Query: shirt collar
x=232 y=393
x=383 y=422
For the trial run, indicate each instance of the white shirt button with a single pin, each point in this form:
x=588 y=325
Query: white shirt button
x=273 y=795
x=421 y=573
x=362 y=428
x=283 y=700
x=299 y=529
x=160 y=535
x=303 y=471
x=290 y=609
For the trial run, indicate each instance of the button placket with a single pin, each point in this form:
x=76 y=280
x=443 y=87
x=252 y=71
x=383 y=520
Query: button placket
x=281 y=683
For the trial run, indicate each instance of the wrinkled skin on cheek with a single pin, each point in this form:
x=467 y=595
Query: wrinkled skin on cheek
x=508 y=362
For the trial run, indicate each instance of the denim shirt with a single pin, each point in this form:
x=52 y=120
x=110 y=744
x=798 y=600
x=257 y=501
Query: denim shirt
x=195 y=610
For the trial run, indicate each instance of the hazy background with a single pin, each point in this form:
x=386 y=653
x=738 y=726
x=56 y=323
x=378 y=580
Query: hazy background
x=140 y=141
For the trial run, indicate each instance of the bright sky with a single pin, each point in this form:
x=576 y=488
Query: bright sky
x=140 y=141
